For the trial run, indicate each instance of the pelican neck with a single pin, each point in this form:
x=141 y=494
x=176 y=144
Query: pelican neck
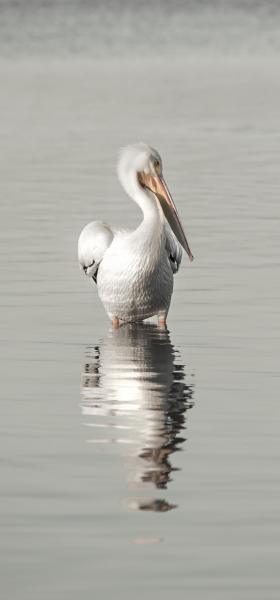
x=151 y=228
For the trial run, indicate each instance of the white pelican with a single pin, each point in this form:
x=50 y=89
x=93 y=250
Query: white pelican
x=134 y=270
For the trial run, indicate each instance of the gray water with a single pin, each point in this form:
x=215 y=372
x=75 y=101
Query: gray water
x=140 y=462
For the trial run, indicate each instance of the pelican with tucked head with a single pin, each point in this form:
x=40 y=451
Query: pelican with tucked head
x=134 y=269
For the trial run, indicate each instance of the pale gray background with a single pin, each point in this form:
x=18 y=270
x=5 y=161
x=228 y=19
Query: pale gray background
x=201 y=82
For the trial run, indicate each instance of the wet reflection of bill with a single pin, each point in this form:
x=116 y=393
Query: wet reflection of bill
x=135 y=386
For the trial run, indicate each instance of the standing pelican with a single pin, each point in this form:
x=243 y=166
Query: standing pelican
x=134 y=270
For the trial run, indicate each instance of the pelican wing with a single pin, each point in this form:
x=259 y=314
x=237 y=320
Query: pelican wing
x=173 y=249
x=94 y=240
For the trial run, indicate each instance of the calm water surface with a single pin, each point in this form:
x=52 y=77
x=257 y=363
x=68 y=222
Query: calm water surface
x=140 y=461
x=135 y=393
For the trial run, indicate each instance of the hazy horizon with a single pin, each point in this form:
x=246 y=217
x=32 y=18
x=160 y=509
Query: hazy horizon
x=131 y=28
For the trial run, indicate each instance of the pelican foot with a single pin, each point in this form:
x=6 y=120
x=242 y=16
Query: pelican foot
x=115 y=322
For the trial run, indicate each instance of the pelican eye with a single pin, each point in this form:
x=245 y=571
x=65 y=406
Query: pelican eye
x=157 y=166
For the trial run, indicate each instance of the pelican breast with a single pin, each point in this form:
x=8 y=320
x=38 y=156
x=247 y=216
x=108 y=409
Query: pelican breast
x=134 y=280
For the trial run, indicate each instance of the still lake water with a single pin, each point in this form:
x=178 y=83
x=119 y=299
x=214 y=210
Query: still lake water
x=140 y=461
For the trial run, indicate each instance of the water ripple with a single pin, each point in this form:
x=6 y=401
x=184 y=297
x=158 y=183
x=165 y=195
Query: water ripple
x=135 y=393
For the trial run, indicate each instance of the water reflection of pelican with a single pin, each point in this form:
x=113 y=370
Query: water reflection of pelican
x=134 y=385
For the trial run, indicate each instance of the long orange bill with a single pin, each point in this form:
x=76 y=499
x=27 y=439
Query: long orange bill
x=157 y=185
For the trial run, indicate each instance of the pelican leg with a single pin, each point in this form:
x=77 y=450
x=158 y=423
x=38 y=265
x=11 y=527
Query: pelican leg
x=115 y=322
x=162 y=316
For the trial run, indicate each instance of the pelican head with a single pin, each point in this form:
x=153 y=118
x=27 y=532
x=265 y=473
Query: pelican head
x=140 y=168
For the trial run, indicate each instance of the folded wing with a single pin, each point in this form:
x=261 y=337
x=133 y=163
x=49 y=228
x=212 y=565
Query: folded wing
x=173 y=249
x=94 y=240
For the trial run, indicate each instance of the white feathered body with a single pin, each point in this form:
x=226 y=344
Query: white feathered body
x=135 y=282
x=133 y=272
